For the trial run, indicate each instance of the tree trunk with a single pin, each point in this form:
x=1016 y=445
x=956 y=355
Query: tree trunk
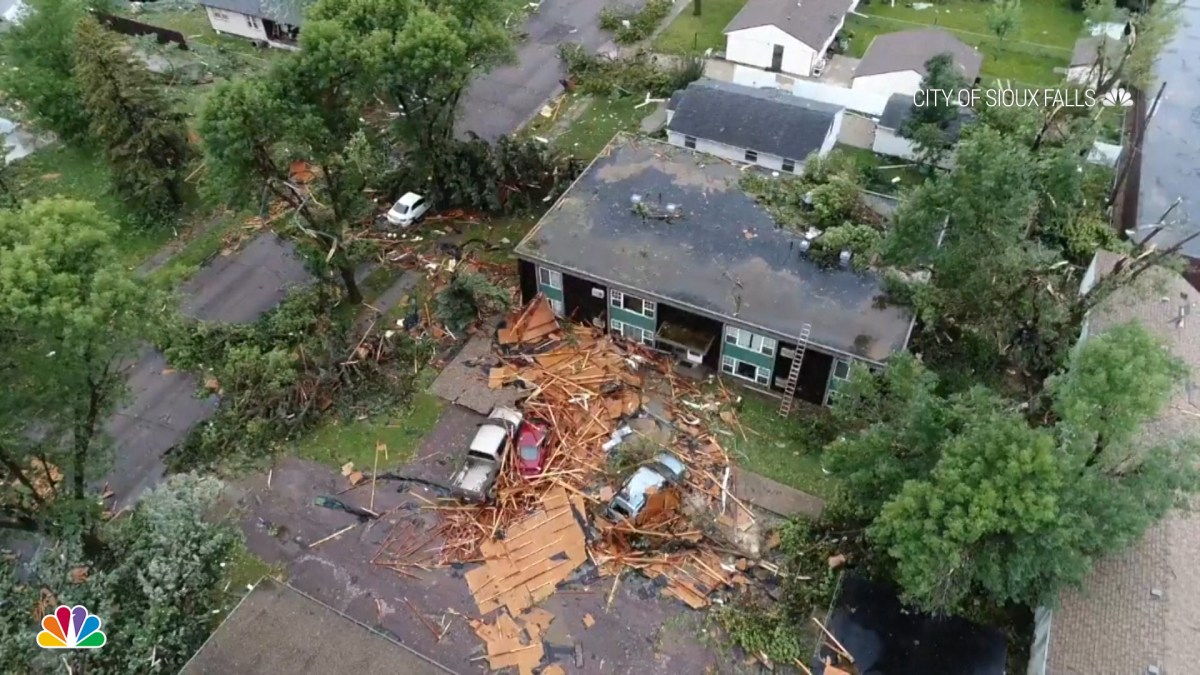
x=16 y=470
x=352 y=292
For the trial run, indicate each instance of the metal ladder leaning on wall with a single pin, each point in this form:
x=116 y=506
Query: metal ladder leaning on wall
x=789 y=389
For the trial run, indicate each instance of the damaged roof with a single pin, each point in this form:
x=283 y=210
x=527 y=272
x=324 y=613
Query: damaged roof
x=812 y=22
x=766 y=120
x=277 y=629
x=1141 y=607
x=725 y=258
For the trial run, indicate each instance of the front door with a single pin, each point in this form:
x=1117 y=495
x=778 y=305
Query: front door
x=777 y=58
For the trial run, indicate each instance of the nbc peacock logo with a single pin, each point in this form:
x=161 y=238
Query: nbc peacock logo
x=71 y=628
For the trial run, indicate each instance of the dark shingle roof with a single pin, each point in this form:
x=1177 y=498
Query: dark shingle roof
x=911 y=49
x=725 y=258
x=812 y=22
x=764 y=120
x=899 y=109
x=1088 y=50
x=277 y=629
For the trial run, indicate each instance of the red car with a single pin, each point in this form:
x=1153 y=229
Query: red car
x=531 y=448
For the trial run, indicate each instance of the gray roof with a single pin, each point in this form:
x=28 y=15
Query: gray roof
x=812 y=22
x=1114 y=623
x=765 y=120
x=899 y=109
x=290 y=12
x=911 y=49
x=1088 y=50
x=277 y=629
x=725 y=258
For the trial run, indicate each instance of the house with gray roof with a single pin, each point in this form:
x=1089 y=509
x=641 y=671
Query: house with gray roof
x=268 y=22
x=894 y=63
x=663 y=246
x=1094 y=57
x=766 y=127
x=1138 y=611
x=889 y=137
x=785 y=36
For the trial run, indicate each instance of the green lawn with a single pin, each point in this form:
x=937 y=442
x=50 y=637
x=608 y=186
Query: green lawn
x=336 y=443
x=1046 y=22
x=599 y=122
x=690 y=34
x=880 y=179
x=785 y=451
x=1010 y=60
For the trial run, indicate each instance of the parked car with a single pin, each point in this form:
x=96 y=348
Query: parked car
x=628 y=502
x=407 y=210
x=531 y=448
x=485 y=456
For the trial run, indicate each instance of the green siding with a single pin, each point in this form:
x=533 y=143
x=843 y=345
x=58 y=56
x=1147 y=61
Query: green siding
x=552 y=293
x=625 y=316
x=757 y=358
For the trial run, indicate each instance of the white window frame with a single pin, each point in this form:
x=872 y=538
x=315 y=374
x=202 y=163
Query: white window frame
x=786 y=162
x=831 y=389
x=644 y=336
x=617 y=299
x=553 y=278
x=762 y=376
x=689 y=142
x=750 y=341
x=751 y=156
x=557 y=306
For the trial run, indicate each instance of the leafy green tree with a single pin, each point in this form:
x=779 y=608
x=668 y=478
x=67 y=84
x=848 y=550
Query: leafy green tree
x=1004 y=18
x=145 y=140
x=935 y=112
x=967 y=500
x=40 y=54
x=157 y=589
x=71 y=312
x=421 y=57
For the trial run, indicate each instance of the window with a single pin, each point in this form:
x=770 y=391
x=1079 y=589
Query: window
x=557 y=306
x=632 y=332
x=841 y=369
x=751 y=156
x=747 y=340
x=633 y=304
x=550 y=278
x=745 y=371
x=689 y=142
x=839 y=376
x=252 y=22
x=789 y=165
x=218 y=14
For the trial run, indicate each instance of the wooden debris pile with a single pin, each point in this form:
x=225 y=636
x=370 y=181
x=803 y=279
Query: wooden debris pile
x=43 y=476
x=514 y=645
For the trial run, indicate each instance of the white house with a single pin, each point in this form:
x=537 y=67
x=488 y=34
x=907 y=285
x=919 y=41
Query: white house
x=894 y=63
x=789 y=36
x=889 y=140
x=272 y=22
x=765 y=127
x=1094 y=57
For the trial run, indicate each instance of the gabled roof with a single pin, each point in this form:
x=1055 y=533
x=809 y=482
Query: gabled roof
x=764 y=120
x=1141 y=607
x=1088 y=51
x=812 y=22
x=899 y=109
x=725 y=258
x=911 y=49
x=290 y=12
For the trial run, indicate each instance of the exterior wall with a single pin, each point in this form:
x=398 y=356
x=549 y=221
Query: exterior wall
x=765 y=160
x=755 y=47
x=617 y=313
x=550 y=283
x=907 y=82
x=835 y=129
x=889 y=142
x=861 y=101
x=235 y=23
x=1084 y=75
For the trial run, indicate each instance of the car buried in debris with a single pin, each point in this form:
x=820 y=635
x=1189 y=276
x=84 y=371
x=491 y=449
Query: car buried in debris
x=665 y=469
x=476 y=480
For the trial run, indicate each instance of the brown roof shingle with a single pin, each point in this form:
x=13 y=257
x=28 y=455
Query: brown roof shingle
x=812 y=22
x=1141 y=607
x=911 y=49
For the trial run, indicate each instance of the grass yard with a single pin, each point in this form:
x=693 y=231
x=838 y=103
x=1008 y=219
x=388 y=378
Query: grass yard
x=788 y=452
x=596 y=125
x=1049 y=23
x=690 y=34
x=336 y=443
x=881 y=180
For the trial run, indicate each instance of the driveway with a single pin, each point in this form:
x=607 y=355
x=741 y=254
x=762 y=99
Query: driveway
x=640 y=633
x=503 y=100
